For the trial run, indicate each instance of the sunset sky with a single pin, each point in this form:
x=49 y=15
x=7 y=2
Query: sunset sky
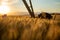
x=38 y=5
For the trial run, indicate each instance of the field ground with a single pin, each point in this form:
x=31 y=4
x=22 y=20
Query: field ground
x=26 y=28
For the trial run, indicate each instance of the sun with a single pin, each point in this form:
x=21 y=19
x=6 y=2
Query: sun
x=4 y=9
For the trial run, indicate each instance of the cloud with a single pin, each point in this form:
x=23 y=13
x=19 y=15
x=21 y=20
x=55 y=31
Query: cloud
x=10 y=1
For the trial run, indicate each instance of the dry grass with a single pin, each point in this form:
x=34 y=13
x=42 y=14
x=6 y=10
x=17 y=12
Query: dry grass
x=25 y=28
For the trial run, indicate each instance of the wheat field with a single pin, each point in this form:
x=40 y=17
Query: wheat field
x=26 y=28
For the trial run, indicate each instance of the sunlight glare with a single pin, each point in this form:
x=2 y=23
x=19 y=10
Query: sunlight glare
x=4 y=9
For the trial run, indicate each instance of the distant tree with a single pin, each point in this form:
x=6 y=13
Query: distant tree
x=45 y=15
x=4 y=16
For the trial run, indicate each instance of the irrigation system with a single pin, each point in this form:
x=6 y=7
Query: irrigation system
x=29 y=8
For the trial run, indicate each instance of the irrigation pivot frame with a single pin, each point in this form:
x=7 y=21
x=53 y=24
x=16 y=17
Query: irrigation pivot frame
x=29 y=8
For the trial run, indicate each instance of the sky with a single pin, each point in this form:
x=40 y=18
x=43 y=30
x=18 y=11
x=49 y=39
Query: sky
x=38 y=5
